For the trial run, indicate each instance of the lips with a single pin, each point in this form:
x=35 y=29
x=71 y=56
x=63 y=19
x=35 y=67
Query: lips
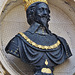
x=45 y=17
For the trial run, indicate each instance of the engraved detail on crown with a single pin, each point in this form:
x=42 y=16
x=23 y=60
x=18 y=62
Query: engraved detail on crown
x=29 y=2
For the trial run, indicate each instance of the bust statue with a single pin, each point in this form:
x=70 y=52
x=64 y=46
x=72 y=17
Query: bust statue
x=38 y=45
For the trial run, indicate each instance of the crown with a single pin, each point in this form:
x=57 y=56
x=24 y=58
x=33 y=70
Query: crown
x=29 y=2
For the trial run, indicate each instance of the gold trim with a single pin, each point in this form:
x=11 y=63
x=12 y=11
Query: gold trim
x=29 y=2
x=39 y=46
x=46 y=70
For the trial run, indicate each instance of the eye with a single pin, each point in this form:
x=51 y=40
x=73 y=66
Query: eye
x=46 y=10
x=40 y=9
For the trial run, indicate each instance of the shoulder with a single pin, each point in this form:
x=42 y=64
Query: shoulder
x=13 y=43
x=12 y=47
x=60 y=38
x=14 y=40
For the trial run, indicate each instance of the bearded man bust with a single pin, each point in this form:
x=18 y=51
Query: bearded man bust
x=38 y=45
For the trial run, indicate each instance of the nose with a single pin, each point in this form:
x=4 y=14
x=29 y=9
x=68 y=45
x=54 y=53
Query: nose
x=45 y=12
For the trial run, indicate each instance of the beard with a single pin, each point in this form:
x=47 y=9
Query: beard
x=43 y=20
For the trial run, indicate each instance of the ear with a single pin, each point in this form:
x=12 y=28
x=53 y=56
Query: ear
x=32 y=10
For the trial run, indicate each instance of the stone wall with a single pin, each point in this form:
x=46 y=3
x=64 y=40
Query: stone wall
x=13 y=20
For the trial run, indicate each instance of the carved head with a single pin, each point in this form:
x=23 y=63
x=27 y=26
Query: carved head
x=38 y=12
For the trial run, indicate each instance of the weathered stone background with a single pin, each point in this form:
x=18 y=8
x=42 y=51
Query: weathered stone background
x=13 y=20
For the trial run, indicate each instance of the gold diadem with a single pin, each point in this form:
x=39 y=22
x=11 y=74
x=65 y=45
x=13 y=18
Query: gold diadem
x=29 y=2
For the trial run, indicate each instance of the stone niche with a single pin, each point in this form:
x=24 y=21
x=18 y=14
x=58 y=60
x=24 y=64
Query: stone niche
x=13 y=20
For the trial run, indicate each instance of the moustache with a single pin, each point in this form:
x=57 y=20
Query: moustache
x=45 y=16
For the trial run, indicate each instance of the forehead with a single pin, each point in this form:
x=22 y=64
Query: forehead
x=42 y=5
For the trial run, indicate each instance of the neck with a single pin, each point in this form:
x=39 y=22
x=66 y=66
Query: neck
x=41 y=30
x=38 y=28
